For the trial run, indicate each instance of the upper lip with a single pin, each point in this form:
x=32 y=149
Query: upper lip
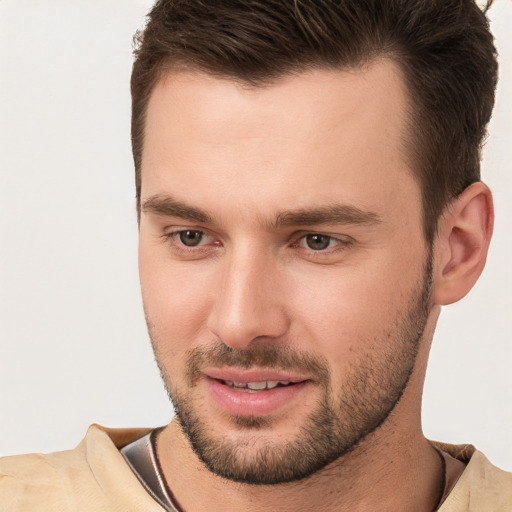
x=253 y=375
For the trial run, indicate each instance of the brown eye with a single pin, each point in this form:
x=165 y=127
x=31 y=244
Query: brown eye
x=318 y=242
x=191 y=238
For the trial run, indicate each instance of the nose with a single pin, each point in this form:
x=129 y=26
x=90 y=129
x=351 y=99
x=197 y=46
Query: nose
x=249 y=303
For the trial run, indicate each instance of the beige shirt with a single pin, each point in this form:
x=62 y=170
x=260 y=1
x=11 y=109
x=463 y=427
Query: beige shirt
x=94 y=477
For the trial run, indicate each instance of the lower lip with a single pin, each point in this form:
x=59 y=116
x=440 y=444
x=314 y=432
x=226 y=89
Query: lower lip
x=258 y=403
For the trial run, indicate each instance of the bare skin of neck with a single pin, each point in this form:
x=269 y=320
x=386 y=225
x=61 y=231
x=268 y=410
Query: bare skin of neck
x=394 y=469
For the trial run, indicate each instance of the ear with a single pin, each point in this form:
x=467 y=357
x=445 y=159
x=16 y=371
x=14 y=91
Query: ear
x=460 y=249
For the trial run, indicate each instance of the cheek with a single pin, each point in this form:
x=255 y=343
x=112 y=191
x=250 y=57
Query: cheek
x=338 y=314
x=351 y=313
x=176 y=300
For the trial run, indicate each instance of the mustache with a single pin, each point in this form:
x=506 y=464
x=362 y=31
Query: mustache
x=261 y=355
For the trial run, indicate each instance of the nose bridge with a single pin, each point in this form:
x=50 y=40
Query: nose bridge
x=248 y=303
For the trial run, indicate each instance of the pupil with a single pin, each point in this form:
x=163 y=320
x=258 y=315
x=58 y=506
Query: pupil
x=318 y=242
x=190 y=238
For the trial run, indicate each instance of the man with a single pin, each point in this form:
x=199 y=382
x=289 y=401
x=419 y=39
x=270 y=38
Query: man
x=309 y=197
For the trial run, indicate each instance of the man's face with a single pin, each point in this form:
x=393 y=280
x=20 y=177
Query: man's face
x=284 y=271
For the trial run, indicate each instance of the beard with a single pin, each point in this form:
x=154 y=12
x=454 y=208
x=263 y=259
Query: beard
x=340 y=419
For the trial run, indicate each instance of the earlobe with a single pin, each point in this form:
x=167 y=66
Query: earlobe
x=462 y=242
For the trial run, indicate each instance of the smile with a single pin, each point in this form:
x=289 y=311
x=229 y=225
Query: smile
x=252 y=394
x=253 y=387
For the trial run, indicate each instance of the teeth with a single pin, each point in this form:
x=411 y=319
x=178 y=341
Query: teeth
x=257 y=386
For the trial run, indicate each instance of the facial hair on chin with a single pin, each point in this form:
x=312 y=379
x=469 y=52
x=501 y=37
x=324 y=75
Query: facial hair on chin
x=339 y=421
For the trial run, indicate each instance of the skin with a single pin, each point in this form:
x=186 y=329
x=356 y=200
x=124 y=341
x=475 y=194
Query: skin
x=243 y=156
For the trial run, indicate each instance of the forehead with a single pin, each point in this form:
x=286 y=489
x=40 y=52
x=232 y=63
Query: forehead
x=320 y=136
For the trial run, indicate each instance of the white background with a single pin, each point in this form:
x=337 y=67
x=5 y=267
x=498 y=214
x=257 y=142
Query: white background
x=73 y=343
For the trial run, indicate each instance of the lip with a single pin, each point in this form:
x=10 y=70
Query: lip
x=253 y=375
x=241 y=402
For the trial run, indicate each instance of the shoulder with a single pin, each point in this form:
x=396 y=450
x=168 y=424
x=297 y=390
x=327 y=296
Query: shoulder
x=26 y=480
x=482 y=486
x=92 y=477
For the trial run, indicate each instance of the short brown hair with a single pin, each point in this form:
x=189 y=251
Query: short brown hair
x=443 y=47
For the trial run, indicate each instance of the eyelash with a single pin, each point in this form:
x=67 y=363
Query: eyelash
x=173 y=238
x=341 y=243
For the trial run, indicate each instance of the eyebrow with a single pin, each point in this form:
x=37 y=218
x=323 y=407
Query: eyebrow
x=170 y=207
x=332 y=214
x=166 y=205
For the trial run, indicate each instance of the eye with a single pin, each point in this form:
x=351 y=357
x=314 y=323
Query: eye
x=318 y=242
x=191 y=237
x=190 y=244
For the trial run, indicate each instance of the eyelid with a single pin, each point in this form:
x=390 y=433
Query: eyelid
x=343 y=243
x=171 y=236
x=175 y=229
x=333 y=236
x=212 y=241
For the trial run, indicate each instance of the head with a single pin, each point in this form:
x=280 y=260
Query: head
x=293 y=162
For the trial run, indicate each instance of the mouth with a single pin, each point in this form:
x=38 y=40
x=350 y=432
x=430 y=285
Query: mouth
x=253 y=392
x=254 y=387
